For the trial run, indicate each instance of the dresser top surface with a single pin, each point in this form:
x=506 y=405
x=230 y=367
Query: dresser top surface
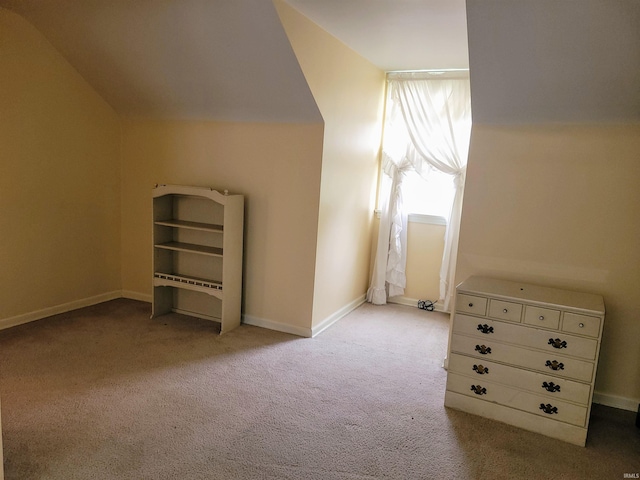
x=507 y=289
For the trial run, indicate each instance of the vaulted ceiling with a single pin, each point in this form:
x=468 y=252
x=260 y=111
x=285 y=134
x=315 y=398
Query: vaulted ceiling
x=530 y=61
x=396 y=34
x=554 y=61
x=230 y=59
x=180 y=59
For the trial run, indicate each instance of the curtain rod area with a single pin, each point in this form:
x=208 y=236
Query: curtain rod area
x=426 y=74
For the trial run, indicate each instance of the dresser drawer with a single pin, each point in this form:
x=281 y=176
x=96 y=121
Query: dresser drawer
x=471 y=304
x=542 y=317
x=547 y=340
x=581 y=324
x=517 y=399
x=546 y=362
x=505 y=310
x=539 y=383
x=525 y=355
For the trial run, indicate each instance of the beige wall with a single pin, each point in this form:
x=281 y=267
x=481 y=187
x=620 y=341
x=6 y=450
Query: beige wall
x=349 y=93
x=277 y=168
x=558 y=205
x=85 y=177
x=59 y=181
x=425 y=244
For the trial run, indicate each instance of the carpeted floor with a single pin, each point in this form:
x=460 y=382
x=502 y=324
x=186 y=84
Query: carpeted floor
x=106 y=393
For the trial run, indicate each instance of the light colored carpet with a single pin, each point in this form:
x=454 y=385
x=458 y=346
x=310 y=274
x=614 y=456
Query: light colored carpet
x=106 y=393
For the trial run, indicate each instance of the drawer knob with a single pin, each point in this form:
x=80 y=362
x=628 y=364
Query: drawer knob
x=555 y=365
x=504 y=310
x=486 y=329
x=548 y=408
x=557 y=343
x=478 y=390
x=551 y=387
x=480 y=370
x=483 y=350
x=541 y=317
x=471 y=305
x=581 y=325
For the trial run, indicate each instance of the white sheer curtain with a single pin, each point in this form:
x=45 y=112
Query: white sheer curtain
x=427 y=126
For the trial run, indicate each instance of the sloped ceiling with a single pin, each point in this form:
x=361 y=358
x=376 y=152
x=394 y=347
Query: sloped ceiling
x=550 y=61
x=180 y=59
x=230 y=59
x=530 y=60
x=396 y=34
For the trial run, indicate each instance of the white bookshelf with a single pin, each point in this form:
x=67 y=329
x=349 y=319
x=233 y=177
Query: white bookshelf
x=197 y=253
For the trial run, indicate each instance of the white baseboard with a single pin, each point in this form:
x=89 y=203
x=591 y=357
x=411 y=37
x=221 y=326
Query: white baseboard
x=303 y=331
x=143 y=297
x=333 y=318
x=277 y=326
x=445 y=363
x=56 y=309
x=616 y=401
x=413 y=302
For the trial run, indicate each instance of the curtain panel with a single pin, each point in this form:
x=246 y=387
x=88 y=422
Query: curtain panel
x=427 y=126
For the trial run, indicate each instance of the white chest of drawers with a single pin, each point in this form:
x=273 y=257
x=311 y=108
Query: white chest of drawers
x=525 y=355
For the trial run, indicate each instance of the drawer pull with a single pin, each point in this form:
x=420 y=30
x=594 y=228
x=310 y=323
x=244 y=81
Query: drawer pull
x=471 y=305
x=551 y=387
x=557 y=343
x=504 y=310
x=581 y=325
x=480 y=370
x=485 y=329
x=555 y=365
x=548 y=408
x=483 y=350
x=478 y=390
x=541 y=317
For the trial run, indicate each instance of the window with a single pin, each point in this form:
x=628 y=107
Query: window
x=426 y=129
x=432 y=192
x=433 y=196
